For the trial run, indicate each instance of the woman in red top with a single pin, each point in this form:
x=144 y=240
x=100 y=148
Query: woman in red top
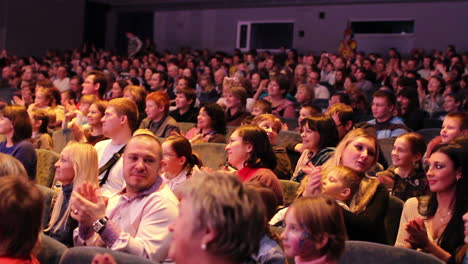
x=249 y=151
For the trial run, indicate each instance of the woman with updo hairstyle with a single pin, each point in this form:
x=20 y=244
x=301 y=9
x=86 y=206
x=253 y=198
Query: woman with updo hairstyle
x=15 y=125
x=250 y=153
x=220 y=221
x=406 y=177
x=178 y=161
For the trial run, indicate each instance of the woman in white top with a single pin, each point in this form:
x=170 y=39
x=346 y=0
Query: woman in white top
x=178 y=161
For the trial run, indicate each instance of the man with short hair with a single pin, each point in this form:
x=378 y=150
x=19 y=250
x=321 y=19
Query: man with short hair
x=62 y=82
x=136 y=219
x=321 y=92
x=342 y=115
x=157 y=112
x=95 y=83
x=119 y=121
x=383 y=107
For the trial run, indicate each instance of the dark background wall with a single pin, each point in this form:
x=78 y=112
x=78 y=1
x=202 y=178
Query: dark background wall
x=31 y=26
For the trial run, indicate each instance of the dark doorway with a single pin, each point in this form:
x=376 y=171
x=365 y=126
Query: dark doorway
x=139 y=23
x=95 y=23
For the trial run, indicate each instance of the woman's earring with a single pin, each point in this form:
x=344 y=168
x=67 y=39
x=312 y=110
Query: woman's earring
x=203 y=246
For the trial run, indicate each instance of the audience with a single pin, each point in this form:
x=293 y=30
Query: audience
x=410 y=95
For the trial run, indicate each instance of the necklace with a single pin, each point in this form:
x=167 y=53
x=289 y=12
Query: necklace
x=442 y=218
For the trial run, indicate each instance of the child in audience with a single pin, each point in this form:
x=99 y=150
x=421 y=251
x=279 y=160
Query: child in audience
x=406 y=178
x=40 y=138
x=261 y=107
x=305 y=111
x=315 y=231
x=340 y=183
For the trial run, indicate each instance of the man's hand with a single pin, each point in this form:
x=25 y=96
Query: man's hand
x=87 y=204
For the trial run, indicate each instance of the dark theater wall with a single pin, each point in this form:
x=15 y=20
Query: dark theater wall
x=30 y=27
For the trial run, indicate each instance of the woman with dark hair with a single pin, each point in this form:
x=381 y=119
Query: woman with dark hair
x=340 y=76
x=434 y=223
x=40 y=121
x=15 y=125
x=319 y=138
x=250 y=152
x=408 y=109
x=433 y=101
x=178 y=161
x=211 y=125
x=117 y=90
x=277 y=90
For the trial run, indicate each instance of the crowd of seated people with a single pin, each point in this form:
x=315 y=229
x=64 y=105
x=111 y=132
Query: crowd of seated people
x=128 y=176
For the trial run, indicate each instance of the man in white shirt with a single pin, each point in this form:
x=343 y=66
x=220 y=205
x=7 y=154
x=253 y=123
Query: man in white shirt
x=119 y=121
x=136 y=219
x=62 y=82
x=321 y=92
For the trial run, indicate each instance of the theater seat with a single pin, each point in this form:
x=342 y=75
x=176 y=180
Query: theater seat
x=45 y=171
x=185 y=126
x=369 y=253
x=61 y=138
x=51 y=250
x=392 y=218
x=429 y=133
x=386 y=147
x=212 y=154
x=289 y=190
x=79 y=255
x=49 y=195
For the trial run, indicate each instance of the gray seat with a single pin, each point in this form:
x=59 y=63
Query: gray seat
x=79 y=255
x=286 y=137
x=51 y=250
x=392 y=218
x=289 y=190
x=429 y=133
x=369 y=253
x=49 y=195
x=212 y=154
x=386 y=146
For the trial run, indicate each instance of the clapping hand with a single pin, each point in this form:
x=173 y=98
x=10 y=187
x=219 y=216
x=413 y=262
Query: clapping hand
x=87 y=204
x=417 y=234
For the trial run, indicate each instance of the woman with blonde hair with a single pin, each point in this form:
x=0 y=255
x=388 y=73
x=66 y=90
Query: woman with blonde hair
x=357 y=151
x=78 y=163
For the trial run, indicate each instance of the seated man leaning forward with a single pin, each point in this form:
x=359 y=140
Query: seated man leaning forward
x=137 y=218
